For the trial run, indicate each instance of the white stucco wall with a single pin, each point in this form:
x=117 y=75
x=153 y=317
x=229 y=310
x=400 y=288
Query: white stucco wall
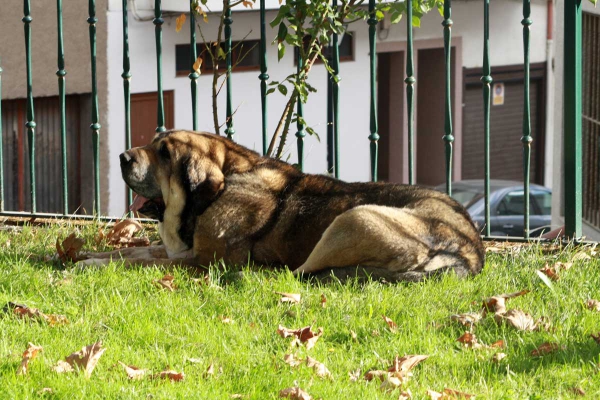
x=506 y=49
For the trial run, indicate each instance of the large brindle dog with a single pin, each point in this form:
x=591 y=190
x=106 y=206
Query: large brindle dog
x=216 y=199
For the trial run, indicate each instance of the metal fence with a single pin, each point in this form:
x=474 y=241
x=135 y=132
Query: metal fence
x=572 y=103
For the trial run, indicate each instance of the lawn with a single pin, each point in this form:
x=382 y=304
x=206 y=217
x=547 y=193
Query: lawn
x=221 y=332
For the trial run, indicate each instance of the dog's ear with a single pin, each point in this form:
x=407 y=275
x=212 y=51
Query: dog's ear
x=203 y=178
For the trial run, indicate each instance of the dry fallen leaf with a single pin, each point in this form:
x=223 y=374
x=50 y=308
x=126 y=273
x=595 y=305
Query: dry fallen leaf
x=323 y=300
x=303 y=335
x=518 y=319
x=433 y=395
x=469 y=340
x=197 y=65
x=62 y=366
x=319 y=368
x=69 y=248
x=582 y=255
x=498 y=357
x=377 y=373
x=170 y=375
x=455 y=394
x=23 y=311
x=248 y=3
x=497 y=304
x=289 y=297
x=291 y=360
x=179 y=21
x=498 y=343
x=577 y=391
x=593 y=305
x=28 y=355
x=400 y=370
x=210 y=371
x=45 y=390
x=390 y=383
x=545 y=348
x=468 y=319
x=405 y=395
x=133 y=372
x=166 y=282
x=295 y=393
x=562 y=265
x=122 y=234
x=353 y=335
x=87 y=358
x=226 y=320
x=550 y=272
x=390 y=323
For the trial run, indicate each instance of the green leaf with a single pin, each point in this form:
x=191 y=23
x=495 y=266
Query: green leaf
x=282 y=89
x=282 y=33
x=379 y=15
x=221 y=54
x=280 y=51
x=270 y=90
x=396 y=17
x=416 y=21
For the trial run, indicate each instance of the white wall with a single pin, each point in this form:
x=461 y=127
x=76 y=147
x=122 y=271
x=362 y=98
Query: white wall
x=506 y=49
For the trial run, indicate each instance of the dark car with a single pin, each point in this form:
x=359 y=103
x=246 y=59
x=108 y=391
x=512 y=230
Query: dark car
x=506 y=205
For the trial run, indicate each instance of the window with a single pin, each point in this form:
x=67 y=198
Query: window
x=346 y=49
x=250 y=49
x=513 y=203
x=543 y=200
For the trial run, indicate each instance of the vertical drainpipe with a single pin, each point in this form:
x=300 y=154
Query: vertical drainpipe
x=549 y=123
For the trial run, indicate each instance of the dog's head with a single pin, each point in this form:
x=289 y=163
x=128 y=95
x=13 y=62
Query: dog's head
x=173 y=167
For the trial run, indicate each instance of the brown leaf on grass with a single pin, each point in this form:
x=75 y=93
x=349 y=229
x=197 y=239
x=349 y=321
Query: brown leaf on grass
x=210 y=371
x=226 y=320
x=400 y=370
x=377 y=373
x=545 y=348
x=469 y=340
x=593 y=305
x=171 y=375
x=86 y=359
x=550 y=272
x=498 y=357
x=406 y=363
x=562 y=265
x=455 y=394
x=291 y=360
x=166 y=282
x=295 y=393
x=497 y=304
x=468 y=319
x=133 y=373
x=121 y=234
x=45 y=390
x=28 y=355
x=582 y=255
x=289 y=297
x=405 y=395
x=390 y=383
x=303 y=335
x=323 y=300
x=23 y=311
x=62 y=367
x=596 y=337
x=319 y=368
x=517 y=319
x=498 y=343
x=433 y=395
x=68 y=249
x=392 y=325
x=577 y=391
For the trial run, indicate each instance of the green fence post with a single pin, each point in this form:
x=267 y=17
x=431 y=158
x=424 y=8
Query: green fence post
x=158 y=21
x=126 y=75
x=95 y=126
x=193 y=74
x=330 y=119
x=1 y=150
x=263 y=75
x=229 y=114
x=300 y=134
x=448 y=137
x=487 y=81
x=572 y=119
x=335 y=66
x=410 y=92
x=526 y=139
x=61 y=101
x=373 y=137
x=30 y=124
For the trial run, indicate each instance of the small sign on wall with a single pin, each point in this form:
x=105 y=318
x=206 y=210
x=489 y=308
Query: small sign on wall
x=498 y=94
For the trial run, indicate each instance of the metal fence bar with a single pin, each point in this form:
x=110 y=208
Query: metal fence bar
x=95 y=126
x=448 y=138
x=373 y=137
x=126 y=75
x=263 y=76
x=410 y=92
x=158 y=21
x=572 y=118
x=300 y=134
x=60 y=73
x=487 y=81
x=1 y=150
x=526 y=139
x=335 y=66
x=193 y=74
x=230 y=131
x=30 y=124
x=330 y=121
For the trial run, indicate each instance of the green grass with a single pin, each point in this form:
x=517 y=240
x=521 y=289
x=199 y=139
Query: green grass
x=152 y=328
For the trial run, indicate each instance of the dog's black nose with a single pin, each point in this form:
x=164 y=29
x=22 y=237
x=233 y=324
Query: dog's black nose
x=125 y=158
